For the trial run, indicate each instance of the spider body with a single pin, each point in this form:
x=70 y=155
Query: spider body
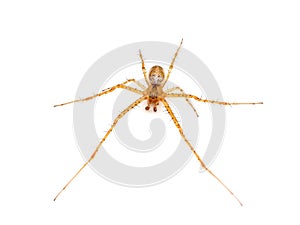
x=155 y=89
x=154 y=93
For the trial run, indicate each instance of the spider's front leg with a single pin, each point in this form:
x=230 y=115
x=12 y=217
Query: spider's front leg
x=187 y=100
x=144 y=68
x=172 y=63
x=169 y=110
x=106 y=91
x=139 y=84
x=171 y=95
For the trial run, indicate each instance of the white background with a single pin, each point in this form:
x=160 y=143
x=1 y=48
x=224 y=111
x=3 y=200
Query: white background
x=253 y=50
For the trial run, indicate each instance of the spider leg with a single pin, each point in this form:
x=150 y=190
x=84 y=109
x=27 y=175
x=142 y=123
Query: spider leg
x=102 y=140
x=210 y=101
x=144 y=68
x=140 y=84
x=187 y=100
x=172 y=63
x=168 y=108
x=106 y=91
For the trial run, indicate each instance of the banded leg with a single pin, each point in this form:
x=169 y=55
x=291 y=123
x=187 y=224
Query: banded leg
x=172 y=63
x=102 y=140
x=144 y=68
x=140 y=85
x=168 y=108
x=187 y=100
x=106 y=91
x=171 y=95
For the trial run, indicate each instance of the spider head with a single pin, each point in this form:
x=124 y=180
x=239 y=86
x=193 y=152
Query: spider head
x=156 y=75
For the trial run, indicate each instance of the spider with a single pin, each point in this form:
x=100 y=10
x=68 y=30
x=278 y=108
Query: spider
x=154 y=94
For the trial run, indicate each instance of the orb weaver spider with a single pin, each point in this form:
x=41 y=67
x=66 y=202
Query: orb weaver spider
x=154 y=94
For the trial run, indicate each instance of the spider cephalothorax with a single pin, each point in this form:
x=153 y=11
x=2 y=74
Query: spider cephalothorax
x=156 y=75
x=153 y=94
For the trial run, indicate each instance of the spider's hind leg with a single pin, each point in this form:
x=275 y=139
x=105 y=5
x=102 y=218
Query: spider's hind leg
x=134 y=104
x=169 y=110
